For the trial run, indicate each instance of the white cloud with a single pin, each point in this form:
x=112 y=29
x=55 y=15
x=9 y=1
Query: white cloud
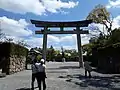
x=113 y=4
x=116 y=22
x=34 y=41
x=55 y=5
x=22 y=6
x=68 y=39
x=85 y=39
x=38 y=7
x=14 y=28
x=68 y=42
x=65 y=41
x=52 y=39
x=96 y=29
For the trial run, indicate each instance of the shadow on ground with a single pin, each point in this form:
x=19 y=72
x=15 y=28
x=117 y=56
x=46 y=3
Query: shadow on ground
x=25 y=88
x=112 y=83
x=64 y=67
x=104 y=71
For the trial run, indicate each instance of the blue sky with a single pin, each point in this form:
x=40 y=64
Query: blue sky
x=15 y=18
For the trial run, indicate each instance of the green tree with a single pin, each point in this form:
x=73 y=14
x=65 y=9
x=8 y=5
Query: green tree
x=22 y=43
x=50 y=53
x=100 y=15
x=114 y=37
x=8 y=40
x=87 y=48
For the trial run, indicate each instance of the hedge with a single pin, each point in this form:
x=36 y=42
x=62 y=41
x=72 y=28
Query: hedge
x=8 y=49
x=116 y=45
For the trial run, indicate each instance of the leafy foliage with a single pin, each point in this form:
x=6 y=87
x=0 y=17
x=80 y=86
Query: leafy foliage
x=50 y=53
x=2 y=35
x=100 y=15
x=12 y=49
x=56 y=55
x=22 y=43
x=102 y=48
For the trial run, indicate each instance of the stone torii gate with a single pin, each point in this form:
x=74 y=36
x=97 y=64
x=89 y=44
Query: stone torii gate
x=47 y=24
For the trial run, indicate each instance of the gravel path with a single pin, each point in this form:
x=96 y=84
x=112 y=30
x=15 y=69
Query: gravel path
x=62 y=76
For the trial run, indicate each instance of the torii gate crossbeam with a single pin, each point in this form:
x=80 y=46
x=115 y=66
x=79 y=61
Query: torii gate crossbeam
x=65 y=32
x=61 y=25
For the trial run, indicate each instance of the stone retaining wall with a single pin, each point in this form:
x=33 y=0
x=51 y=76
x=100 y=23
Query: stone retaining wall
x=12 y=57
x=16 y=63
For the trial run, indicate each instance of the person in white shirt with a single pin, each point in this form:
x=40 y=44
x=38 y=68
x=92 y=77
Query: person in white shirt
x=88 y=68
x=41 y=75
x=35 y=68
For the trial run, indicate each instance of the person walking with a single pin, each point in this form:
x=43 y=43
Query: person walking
x=88 y=68
x=41 y=75
x=34 y=73
x=35 y=67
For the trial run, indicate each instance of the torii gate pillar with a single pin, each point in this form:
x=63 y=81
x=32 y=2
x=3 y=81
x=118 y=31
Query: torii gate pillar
x=44 y=44
x=79 y=48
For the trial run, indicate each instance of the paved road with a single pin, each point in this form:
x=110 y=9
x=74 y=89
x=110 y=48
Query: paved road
x=62 y=76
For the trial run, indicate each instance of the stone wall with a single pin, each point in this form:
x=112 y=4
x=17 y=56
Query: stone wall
x=16 y=63
x=12 y=57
